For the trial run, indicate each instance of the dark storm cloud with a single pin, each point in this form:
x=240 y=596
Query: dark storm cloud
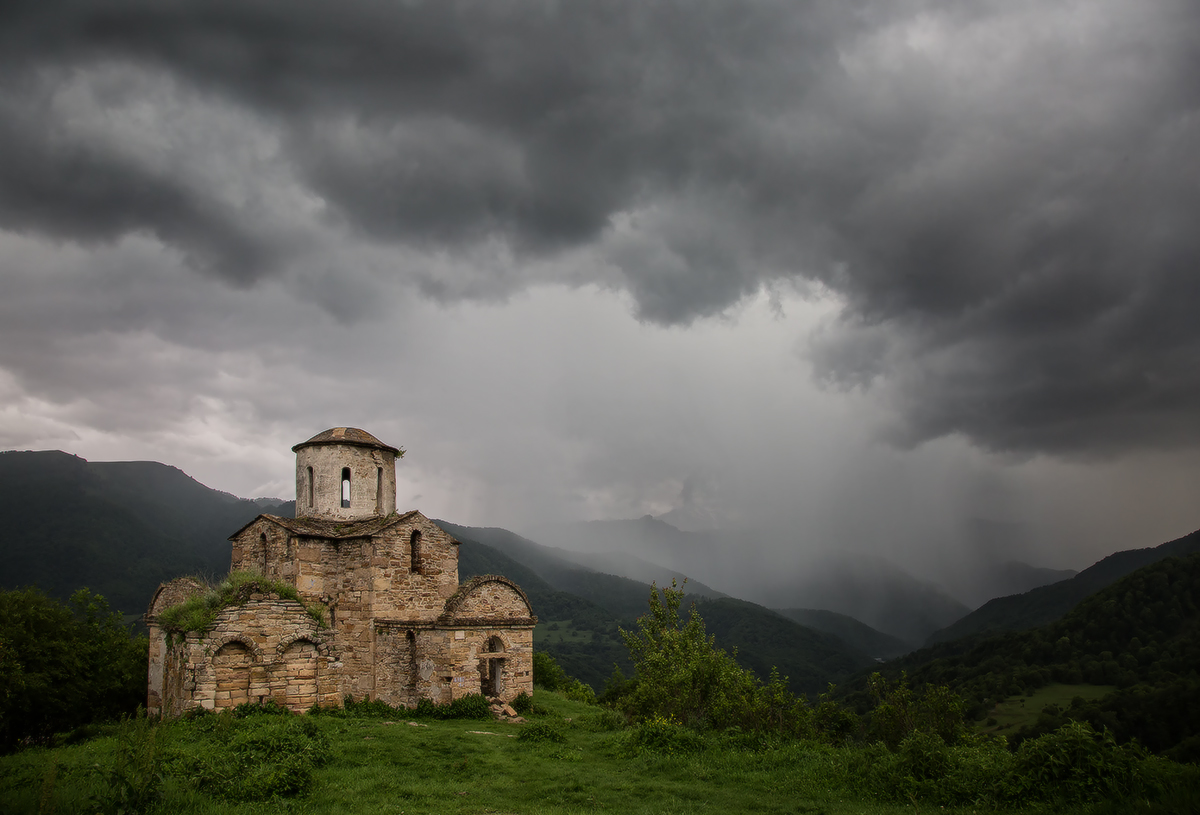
x=1001 y=194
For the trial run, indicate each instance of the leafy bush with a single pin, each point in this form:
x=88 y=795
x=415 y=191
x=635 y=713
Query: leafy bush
x=661 y=735
x=134 y=779
x=832 y=723
x=542 y=732
x=524 y=704
x=900 y=713
x=549 y=675
x=1072 y=765
x=199 y=612
x=681 y=675
x=1075 y=763
x=267 y=708
x=924 y=768
x=254 y=758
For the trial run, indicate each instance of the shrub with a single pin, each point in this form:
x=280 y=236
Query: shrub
x=549 y=675
x=832 y=723
x=267 y=708
x=255 y=758
x=134 y=779
x=1075 y=763
x=524 y=704
x=542 y=732
x=661 y=735
x=924 y=768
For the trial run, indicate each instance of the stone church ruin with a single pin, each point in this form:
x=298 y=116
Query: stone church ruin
x=380 y=613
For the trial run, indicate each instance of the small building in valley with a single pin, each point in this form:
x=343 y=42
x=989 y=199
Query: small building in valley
x=349 y=598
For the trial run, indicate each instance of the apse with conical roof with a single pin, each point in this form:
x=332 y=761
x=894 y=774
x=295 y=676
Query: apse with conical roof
x=345 y=474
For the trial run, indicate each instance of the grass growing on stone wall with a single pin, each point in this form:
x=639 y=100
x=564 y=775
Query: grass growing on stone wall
x=199 y=612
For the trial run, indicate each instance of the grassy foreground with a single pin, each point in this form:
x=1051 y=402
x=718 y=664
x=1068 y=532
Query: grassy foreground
x=569 y=761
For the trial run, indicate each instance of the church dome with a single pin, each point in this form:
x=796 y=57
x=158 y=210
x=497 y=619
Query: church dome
x=345 y=436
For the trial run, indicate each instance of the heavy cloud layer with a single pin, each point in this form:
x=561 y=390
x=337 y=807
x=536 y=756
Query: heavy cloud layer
x=1002 y=194
x=588 y=260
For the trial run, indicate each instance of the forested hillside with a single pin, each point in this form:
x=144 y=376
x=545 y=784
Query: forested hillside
x=118 y=528
x=765 y=639
x=1048 y=603
x=1141 y=634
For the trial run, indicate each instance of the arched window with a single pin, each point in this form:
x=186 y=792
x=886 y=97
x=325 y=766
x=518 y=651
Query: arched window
x=378 y=490
x=262 y=549
x=345 y=488
x=310 y=486
x=414 y=549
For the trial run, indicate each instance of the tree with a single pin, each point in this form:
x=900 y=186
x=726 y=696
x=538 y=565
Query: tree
x=62 y=666
x=681 y=674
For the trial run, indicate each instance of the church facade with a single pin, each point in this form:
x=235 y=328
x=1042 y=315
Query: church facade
x=381 y=613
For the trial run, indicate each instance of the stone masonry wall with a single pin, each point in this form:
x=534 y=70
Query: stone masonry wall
x=400 y=592
x=264 y=649
x=157 y=677
x=372 y=482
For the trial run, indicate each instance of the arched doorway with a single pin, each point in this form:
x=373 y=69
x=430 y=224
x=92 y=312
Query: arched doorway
x=491 y=668
x=231 y=666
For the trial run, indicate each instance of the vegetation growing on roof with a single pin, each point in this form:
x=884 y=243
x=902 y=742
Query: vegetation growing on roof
x=199 y=612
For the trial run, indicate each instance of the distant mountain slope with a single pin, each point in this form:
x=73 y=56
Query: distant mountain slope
x=118 y=528
x=857 y=635
x=765 y=639
x=1048 y=603
x=996 y=579
x=624 y=597
x=871 y=590
x=877 y=593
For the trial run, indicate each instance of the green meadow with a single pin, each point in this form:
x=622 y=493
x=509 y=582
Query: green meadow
x=569 y=757
x=1015 y=712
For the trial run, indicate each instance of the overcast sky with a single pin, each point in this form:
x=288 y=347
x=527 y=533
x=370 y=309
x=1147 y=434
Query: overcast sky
x=873 y=276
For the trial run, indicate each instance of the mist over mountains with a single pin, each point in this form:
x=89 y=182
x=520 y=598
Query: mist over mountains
x=121 y=528
x=875 y=591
